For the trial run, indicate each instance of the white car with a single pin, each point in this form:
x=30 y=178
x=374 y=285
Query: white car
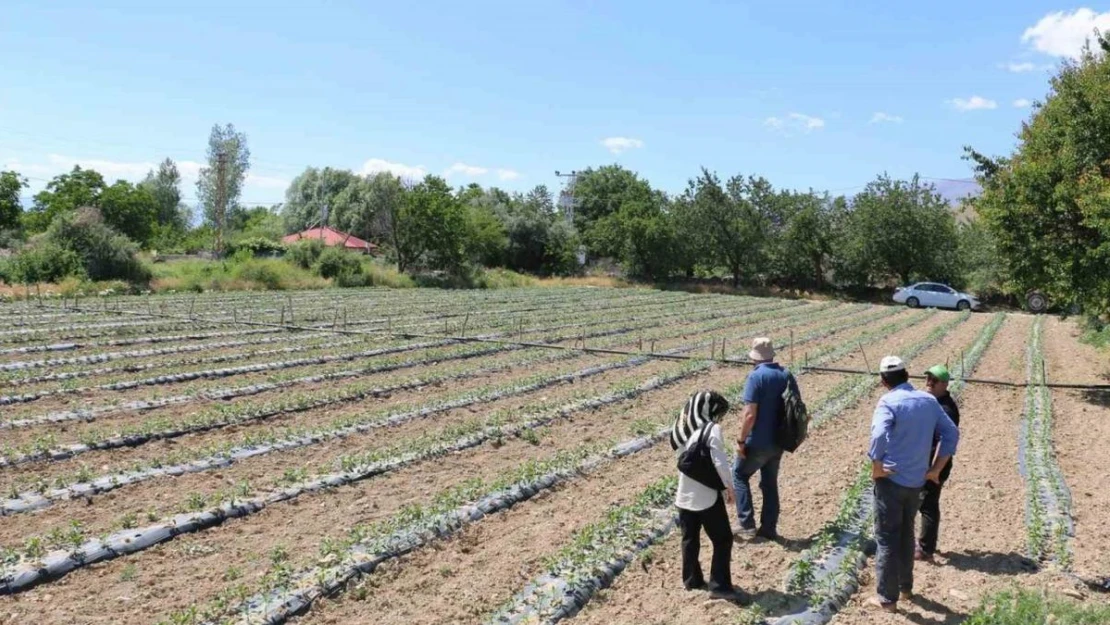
x=933 y=295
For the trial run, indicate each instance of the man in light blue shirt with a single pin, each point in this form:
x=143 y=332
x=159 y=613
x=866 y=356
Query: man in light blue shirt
x=902 y=432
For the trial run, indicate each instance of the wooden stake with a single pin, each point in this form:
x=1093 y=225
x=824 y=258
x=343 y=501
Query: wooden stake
x=791 y=349
x=724 y=354
x=653 y=346
x=466 y=321
x=865 y=360
x=713 y=349
x=1044 y=373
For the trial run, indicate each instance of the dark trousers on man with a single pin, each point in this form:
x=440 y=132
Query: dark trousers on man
x=895 y=511
x=930 y=513
x=714 y=520
x=767 y=462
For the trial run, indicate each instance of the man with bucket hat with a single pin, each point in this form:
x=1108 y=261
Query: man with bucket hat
x=936 y=383
x=756 y=449
x=903 y=429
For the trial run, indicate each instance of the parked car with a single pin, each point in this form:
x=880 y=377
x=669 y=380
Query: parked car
x=934 y=295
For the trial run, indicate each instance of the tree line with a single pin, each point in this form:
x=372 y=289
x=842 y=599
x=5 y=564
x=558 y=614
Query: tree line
x=1042 y=220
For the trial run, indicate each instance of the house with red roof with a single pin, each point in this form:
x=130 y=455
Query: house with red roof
x=332 y=238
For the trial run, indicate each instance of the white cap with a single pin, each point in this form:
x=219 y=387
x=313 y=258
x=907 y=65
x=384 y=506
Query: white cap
x=891 y=363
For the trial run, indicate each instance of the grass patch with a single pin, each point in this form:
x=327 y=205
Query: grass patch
x=1095 y=332
x=1025 y=607
x=227 y=275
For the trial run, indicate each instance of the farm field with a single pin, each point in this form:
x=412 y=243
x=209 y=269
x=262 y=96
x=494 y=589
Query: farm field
x=349 y=457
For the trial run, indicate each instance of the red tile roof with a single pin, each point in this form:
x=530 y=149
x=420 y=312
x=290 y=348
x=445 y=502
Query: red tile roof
x=332 y=238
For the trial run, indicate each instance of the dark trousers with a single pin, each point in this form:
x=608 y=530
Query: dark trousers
x=930 y=517
x=714 y=520
x=895 y=511
x=767 y=462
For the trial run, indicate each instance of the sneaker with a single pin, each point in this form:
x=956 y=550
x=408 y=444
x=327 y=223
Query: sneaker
x=699 y=586
x=743 y=532
x=877 y=603
x=905 y=594
x=922 y=556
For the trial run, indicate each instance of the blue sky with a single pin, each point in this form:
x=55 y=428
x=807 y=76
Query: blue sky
x=822 y=94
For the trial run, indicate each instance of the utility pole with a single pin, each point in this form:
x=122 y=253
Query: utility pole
x=566 y=203
x=566 y=196
x=221 y=201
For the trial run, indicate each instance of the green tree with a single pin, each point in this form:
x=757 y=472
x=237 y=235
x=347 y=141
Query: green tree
x=62 y=195
x=486 y=237
x=898 y=230
x=165 y=186
x=1048 y=203
x=368 y=204
x=808 y=241
x=600 y=193
x=727 y=221
x=11 y=209
x=429 y=228
x=129 y=209
x=315 y=193
x=227 y=150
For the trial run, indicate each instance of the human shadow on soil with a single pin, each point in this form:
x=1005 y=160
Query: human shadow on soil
x=1097 y=397
x=775 y=603
x=990 y=562
x=946 y=615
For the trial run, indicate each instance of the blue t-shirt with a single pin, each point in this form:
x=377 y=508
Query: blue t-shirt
x=764 y=387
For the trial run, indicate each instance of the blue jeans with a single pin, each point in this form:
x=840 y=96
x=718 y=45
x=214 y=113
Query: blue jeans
x=766 y=461
x=895 y=509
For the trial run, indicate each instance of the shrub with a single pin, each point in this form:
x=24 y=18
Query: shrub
x=334 y=262
x=257 y=246
x=81 y=245
x=44 y=261
x=304 y=254
x=271 y=274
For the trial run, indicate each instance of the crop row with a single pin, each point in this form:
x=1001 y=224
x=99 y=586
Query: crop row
x=32 y=565
x=87 y=484
x=620 y=327
x=443 y=351
x=366 y=465
x=100 y=358
x=827 y=573
x=1048 y=517
x=153 y=322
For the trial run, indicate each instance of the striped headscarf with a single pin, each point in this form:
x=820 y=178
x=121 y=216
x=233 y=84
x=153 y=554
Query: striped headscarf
x=702 y=407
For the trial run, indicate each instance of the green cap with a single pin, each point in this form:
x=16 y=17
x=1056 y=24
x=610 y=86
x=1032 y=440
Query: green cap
x=939 y=372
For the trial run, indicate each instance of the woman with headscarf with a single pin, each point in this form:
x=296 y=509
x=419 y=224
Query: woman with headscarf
x=702 y=506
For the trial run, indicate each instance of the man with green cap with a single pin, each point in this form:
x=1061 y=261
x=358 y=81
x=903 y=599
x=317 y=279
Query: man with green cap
x=936 y=383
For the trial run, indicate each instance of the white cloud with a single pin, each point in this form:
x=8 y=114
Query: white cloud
x=266 y=182
x=111 y=170
x=1063 y=34
x=1022 y=103
x=616 y=145
x=1019 y=68
x=882 y=117
x=974 y=103
x=377 y=165
x=794 y=121
x=470 y=171
x=507 y=174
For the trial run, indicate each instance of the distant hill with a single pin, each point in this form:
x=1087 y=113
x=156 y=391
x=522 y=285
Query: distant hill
x=956 y=190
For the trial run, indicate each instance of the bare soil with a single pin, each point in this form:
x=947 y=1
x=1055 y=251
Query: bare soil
x=1081 y=438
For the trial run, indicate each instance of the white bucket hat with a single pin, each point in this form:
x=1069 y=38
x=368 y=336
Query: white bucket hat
x=762 y=350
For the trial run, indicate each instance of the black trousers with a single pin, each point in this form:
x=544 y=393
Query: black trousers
x=714 y=520
x=930 y=512
x=930 y=517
